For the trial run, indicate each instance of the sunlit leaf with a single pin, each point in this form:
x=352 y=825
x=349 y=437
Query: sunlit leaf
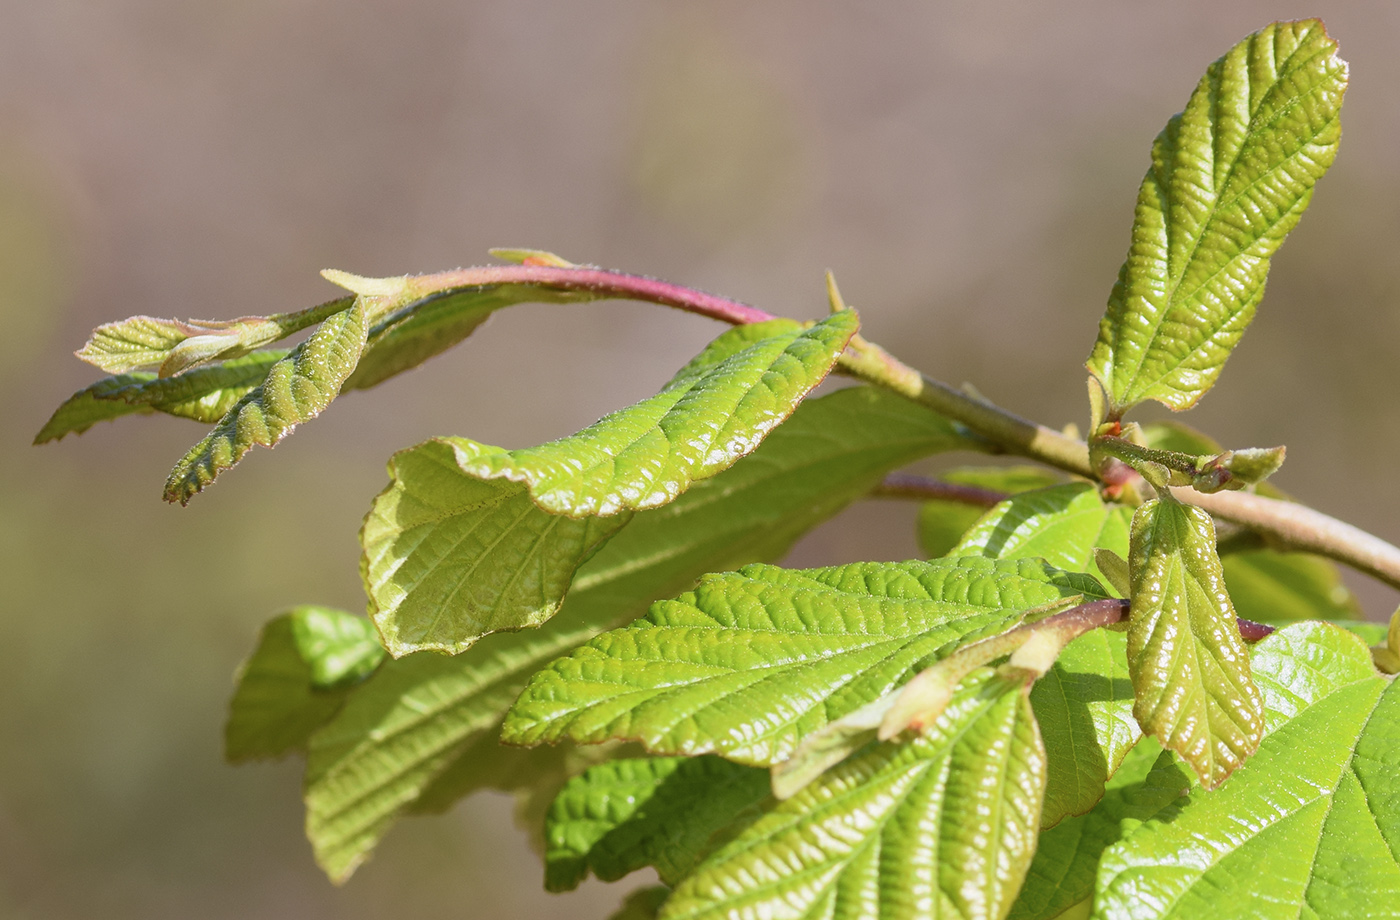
x=943 y=523
x=1268 y=586
x=296 y=389
x=1230 y=177
x=941 y=824
x=1309 y=827
x=1188 y=662
x=751 y=661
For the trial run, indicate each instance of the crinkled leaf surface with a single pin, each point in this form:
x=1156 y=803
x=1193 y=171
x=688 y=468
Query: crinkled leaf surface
x=139 y=341
x=1230 y=177
x=296 y=389
x=751 y=661
x=716 y=410
x=943 y=523
x=296 y=680
x=1188 y=662
x=654 y=811
x=1084 y=705
x=449 y=558
x=1061 y=524
x=204 y=394
x=1066 y=861
x=942 y=824
x=1269 y=587
x=406 y=726
x=1310 y=827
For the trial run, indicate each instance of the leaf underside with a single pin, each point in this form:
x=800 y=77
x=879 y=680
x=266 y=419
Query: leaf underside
x=406 y=727
x=752 y=661
x=1189 y=665
x=1230 y=177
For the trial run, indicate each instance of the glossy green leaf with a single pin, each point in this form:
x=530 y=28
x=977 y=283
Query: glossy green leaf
x=1061 y=524
x=1188 y=662
x=751 y=661
x=1230 y=177
x=1067 y=859
x=449 y=558
x=1309 y=827
x=295 y=680
x=943 y=523
x=296 y=389
x=1270 y=587
x=653 y=811
x=714 y=411
x=203 y=394
x=406 y=727
x=1084 y=705
x=942 y=824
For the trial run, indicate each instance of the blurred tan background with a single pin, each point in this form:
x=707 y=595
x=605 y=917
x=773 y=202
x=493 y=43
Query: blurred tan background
x=968 y=170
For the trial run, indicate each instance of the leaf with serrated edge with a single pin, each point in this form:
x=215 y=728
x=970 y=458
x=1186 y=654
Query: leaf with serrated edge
x=296 y=389
x=1062 y=525
x=751 y=661
x=941 y=824
x=714 y=411
x=1230 y=177
x=1189 y=665
x=1067 y=857
x=449 y=558
x=204 y=394
x=1309 y=827
x=406 y=726
x=1084 y=705
x=295 y=680
x=654 y=811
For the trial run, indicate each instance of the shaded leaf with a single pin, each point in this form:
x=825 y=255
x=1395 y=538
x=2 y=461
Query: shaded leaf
x=1084 y=705
x=943 y=824
x=1188 y=662
x=296 y=680
x=1230 y=177
x=1269 y=587
x=642 y=904
x=1309 y=827
x=943 y=523
x=403 y=730
x=751 y=661
x=1061 y=524
x=653 y=811
x=296 y=389
x=714 y=411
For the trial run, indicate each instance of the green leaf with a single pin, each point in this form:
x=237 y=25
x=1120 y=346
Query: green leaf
x=714 y=411
x=943 y=824
x=1188 y=662
x=1084 y=705
x=449 y=558
x=136 y=342
x=1230 y=177
x=942 y=523
x=405 y=728
x=1067 y=857
x=296 y=389
x=1271 y=587
x=295 y=680
x=656 y=811
x=751 y=661
x=1062 y=524
x=1309 y=827
x=204 y=394
x=642 y=904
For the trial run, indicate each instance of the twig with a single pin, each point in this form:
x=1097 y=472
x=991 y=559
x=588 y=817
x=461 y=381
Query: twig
x=922 y=488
